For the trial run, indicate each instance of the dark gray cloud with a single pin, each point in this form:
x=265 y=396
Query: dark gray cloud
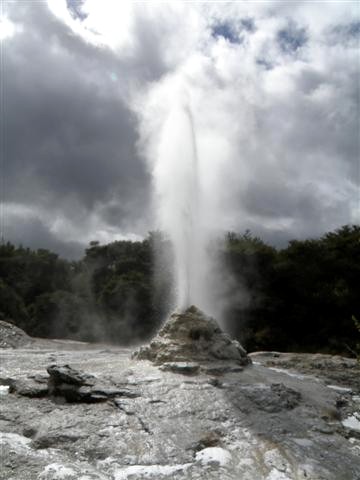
x=304 y=214
x=68 y=133
x=75 y=7
x=33 y=233
x=291 y=38
x=226 y=31
x=71 y=136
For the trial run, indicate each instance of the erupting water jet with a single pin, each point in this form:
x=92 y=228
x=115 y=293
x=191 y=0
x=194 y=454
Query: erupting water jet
x=177 y=197
x=188 y=334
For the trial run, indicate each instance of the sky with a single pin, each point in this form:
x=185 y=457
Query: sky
x=87 y=85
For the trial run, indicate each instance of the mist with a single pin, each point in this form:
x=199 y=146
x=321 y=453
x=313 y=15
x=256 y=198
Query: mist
x=191 y=119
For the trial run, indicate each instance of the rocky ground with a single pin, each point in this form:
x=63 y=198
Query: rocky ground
x=12 y=336
x=76 y=411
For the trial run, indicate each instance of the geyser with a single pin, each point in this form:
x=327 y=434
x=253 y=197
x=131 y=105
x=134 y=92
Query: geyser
x=177 y=195
x=188 y=335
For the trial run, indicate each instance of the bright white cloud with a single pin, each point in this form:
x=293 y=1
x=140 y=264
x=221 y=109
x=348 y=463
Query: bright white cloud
x=275 y=101
x=7 y=28
x=61 y=226
x=274 y=92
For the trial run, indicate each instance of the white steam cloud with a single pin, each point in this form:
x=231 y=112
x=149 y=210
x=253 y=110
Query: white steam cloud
x=273 y=93
x=245 y=125
x=194 y=125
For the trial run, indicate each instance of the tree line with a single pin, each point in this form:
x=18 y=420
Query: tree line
x=304 y=297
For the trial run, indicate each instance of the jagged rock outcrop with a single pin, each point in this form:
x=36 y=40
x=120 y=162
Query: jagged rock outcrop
x=70 y=385
x=12 y=336
x=192 y=336
x=35 y=386
x=76 y=386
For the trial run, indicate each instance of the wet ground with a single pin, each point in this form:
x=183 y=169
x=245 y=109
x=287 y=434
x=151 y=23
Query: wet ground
x=285 y=417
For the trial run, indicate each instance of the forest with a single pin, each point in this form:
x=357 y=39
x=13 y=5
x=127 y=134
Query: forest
x=302 y=298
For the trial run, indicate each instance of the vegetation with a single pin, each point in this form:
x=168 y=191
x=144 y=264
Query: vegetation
x=357 y=346
x=301 y=298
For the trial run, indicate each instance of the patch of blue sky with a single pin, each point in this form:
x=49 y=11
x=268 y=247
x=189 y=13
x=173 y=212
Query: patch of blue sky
x=226 y=31
x=266 y=64
x=346 y=34
x=248 y=24
x=232 y=33
x=74 y=7
x=291 y=38
x=350 y=30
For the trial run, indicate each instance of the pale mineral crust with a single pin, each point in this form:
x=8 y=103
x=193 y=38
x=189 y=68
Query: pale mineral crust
x=192 y=336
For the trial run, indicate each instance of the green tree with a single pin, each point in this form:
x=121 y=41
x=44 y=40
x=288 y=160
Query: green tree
x=12 y=306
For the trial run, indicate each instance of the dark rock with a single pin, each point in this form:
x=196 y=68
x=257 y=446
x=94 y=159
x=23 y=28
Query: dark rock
x=219 y=369
x=184 y=368
x=70 y=384
x=29 y=431
x=111 y=392
x=6 y=381
x=70 y=392
x=12 y=336
x=54 y=439
x=75 y=386
x=215 y=382
x=125 y=406
x=66 y=374
x=39 y=378
x=325 y=429
x=288 y=398
x=98 y=453
x=29 y=388
x=192 y=336
x=341 y=402
x=209 y=439
x=272 y=400
x=331 y=414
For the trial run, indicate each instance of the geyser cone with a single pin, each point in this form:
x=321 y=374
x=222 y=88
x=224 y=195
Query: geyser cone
x=192 y=336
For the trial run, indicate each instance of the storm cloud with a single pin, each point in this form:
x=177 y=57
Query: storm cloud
x=275 y=101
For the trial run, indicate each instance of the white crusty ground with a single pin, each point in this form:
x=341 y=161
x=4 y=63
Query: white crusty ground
x=4 y=389
x=340 y=389
x=352 y=422
x=148 y=471
x=214 y=455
